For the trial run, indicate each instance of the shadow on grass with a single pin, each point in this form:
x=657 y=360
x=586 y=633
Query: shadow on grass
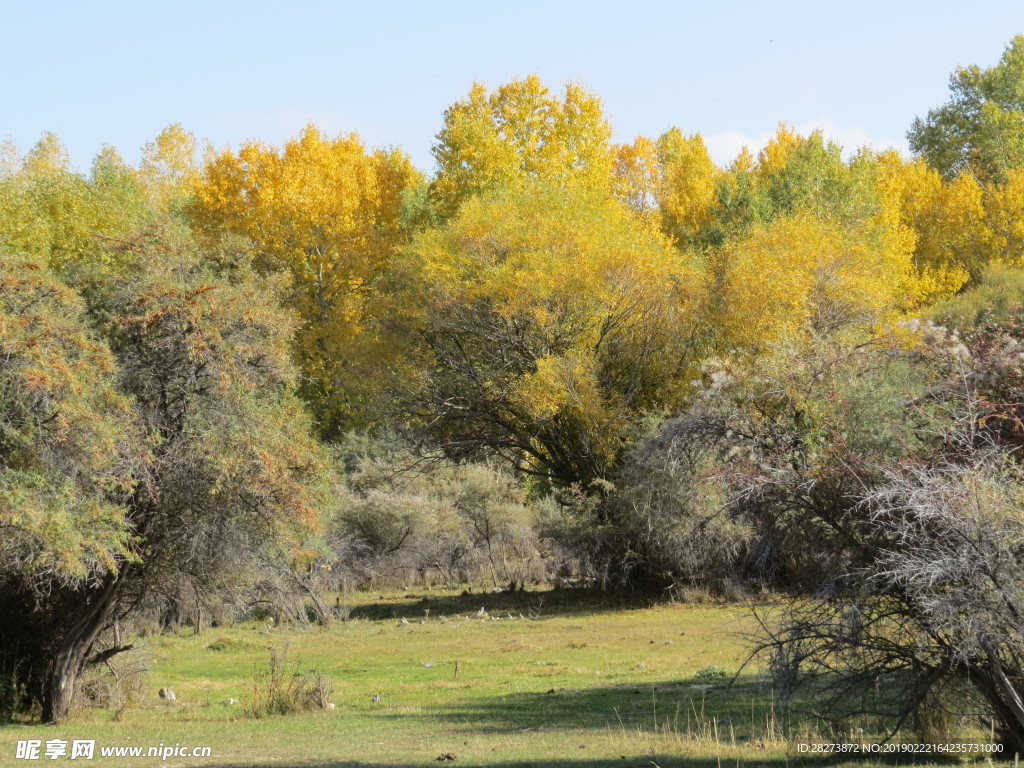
x=689 y=707
x=554 y=602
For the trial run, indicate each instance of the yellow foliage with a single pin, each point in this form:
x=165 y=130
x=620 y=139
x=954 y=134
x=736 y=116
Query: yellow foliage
x=687 y=195
x=802 y=274
x=169 y=166
x=519 y=131
x=325 y=211
x=1004 y=215
x=48 y=157
x=670 y=183
x=551 y=319
x=636 y=180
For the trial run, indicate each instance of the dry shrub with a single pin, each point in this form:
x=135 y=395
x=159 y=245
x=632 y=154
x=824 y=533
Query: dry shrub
x=281 y=688
x=116 y=684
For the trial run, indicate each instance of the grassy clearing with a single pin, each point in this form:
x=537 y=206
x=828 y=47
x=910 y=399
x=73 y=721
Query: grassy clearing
x=539 y=680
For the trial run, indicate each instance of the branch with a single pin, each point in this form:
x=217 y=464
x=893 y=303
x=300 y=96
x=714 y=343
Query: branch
x=102 y=656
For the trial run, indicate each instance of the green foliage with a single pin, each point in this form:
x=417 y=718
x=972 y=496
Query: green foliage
x=167 y=459
x=14 y=696
x=714 y=672
x=405 y=517
x=65 y=433
x=228 y=644
x=64 y=218
x=997 y=299
x=980 y=130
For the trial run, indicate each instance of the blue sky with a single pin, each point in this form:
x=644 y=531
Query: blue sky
x=118 y=72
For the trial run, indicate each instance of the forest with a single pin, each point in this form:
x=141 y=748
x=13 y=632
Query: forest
x=248 y=379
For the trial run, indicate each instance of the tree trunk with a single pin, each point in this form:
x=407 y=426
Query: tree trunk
x=74 y=652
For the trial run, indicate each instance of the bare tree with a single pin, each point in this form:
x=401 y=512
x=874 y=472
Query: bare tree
x=937 y=606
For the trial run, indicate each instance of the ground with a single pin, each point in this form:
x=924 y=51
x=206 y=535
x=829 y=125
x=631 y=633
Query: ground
x=526 y=679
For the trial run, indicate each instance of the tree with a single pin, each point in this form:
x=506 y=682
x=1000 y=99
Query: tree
x=671 y=183
x=63 y=434
x=687 y=197
x=910 y=600
x=63 y=217
x=169 y=166
x=545 y=323
x=932 y=602
x=219 y=455
x=980 y=130
x=805 y=276
x=520 y=131
x=66 y=440
x=636 y=178
x=326 y=213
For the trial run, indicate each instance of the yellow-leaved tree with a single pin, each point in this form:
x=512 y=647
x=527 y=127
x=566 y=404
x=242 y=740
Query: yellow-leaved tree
x=519 y=131
x=325 y=212
x=169 y=166
x=548 y=321
x=803 y=274
x=959 y=225
x=671 y=183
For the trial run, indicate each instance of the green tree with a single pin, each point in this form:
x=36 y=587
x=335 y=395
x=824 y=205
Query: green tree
x=980 y=129
x=68 y=219
x=221 y=462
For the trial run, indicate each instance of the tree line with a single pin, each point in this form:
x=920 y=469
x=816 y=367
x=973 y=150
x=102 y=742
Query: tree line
x=250 y=376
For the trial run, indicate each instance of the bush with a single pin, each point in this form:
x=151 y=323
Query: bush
x=281 y=688
x=998 y=299
x=115 y=685
x=14 y=698
x=713 y=672
x=227 y=644
x=403 y=518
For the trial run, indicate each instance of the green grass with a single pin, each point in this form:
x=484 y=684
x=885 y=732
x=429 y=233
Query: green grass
x=542 y=680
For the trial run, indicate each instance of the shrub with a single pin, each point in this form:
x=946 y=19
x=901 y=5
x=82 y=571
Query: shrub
x=281 y=688
x=227 y=644
x=115 y=685
x=14 y=698
x=998 y=298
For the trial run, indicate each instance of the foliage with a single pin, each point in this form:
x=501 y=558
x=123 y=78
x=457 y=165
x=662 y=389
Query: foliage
x=520 y=131
x=803 y=275
x=325 y=213
x=169 y=167
x=65 y=433
x=806 y=174
x=673 y=514
x=221 y=461
x=547 y=322
x=670 y=184
x=980 y=130
x=998 y=299
x=64 y=218
x=933 y=602
x=917 y=551
x=404 y=517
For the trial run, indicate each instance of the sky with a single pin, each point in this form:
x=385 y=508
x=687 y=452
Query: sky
x=117 y=73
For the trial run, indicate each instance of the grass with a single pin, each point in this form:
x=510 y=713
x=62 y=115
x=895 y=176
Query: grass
x=539 y=680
